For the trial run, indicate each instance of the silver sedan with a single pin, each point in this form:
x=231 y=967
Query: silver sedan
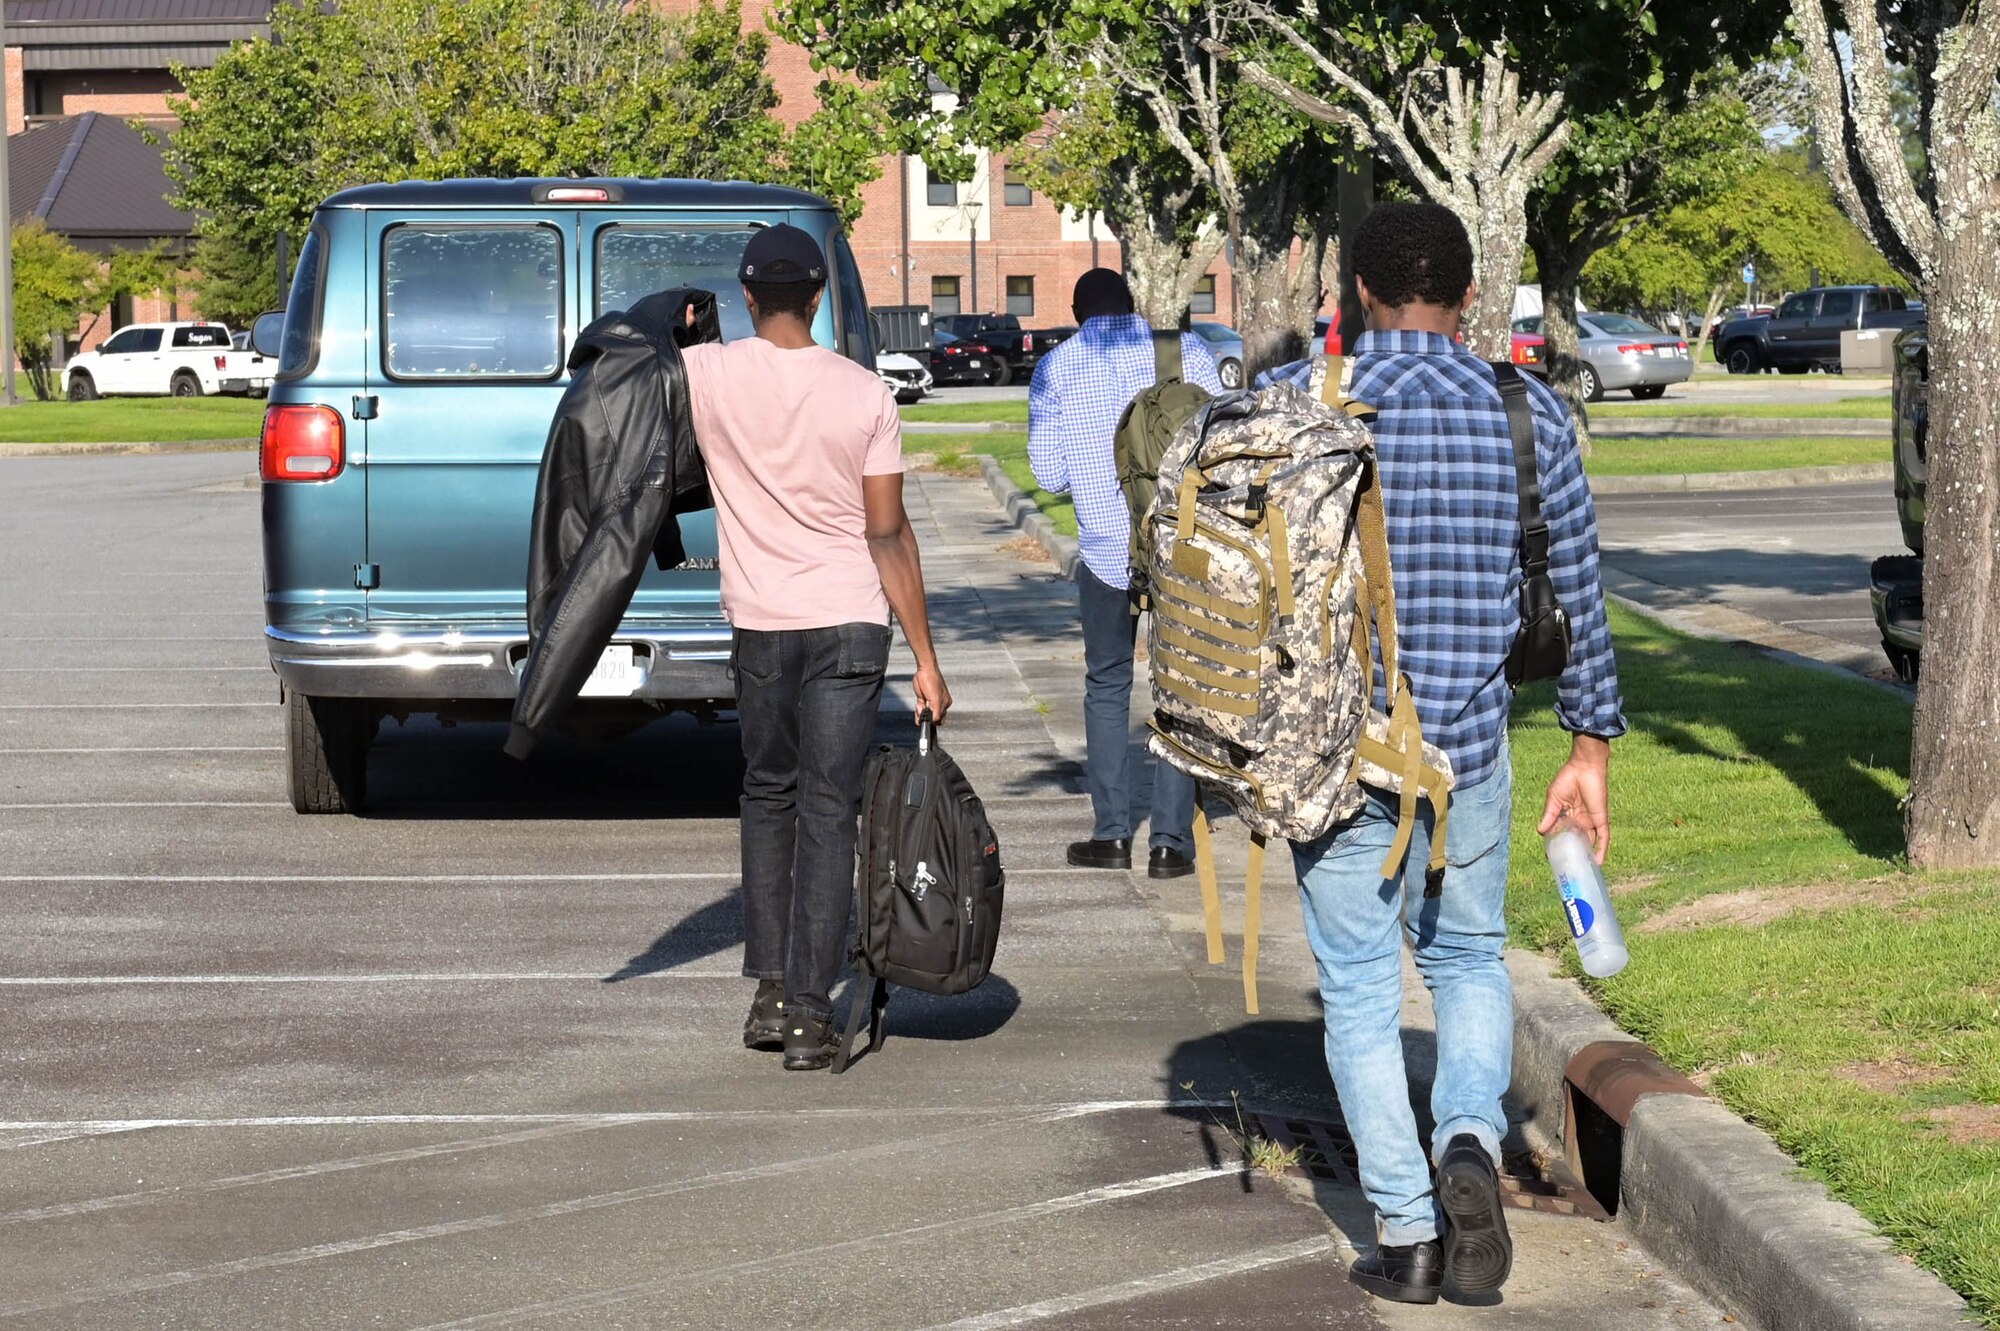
x=1621 y=352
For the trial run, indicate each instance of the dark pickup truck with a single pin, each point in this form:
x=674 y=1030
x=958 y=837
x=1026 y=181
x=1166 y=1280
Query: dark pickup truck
x=1014 y=349
x=1896 y=582
x=1804 y=333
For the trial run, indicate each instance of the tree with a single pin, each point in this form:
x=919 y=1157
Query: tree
x=1021 y=77
x=1776 y=213
x=395 y=89
x=1946 y=233
x=1472 y=102
x=54 y=283
x=1619 y=168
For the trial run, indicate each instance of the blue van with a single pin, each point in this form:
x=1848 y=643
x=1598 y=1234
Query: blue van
x=421 y=354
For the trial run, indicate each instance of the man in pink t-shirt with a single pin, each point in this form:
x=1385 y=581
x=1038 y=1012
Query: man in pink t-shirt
x=804 y=455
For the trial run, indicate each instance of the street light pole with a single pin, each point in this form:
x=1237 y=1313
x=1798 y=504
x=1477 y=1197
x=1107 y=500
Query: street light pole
x=972 y=213
x=8 y=397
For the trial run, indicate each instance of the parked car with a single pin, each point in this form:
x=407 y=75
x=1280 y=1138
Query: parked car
x=1011 y=351
x=1618 y=351
x=165 y=360
x=954 y=361
x=1225 y=344
x=1804 y=333
x=421 y=355
x=1041 y=341
x=905 y=376
x=1896 y=582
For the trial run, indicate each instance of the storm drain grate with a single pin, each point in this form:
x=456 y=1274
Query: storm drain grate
x=1327 y=1152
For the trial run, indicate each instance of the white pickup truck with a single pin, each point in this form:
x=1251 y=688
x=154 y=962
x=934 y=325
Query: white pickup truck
x=166 y=360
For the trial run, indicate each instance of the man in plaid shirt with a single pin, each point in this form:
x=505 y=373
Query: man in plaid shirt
x=1446 y=462
x=1079 y=391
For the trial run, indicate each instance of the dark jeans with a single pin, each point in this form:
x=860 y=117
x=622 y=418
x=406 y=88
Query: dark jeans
x=806 y=701
x=1109 y=631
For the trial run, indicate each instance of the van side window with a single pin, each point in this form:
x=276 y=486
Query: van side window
x=300 y=345
x=857 y=342
x=479 y=302
x=634 y=261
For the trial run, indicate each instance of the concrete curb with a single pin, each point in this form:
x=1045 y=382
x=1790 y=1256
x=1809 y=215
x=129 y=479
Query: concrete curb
x=1744 y=427
x=1026 y=517
x=962 y=427
x=1744 y=480
x=125 y=450
x=1713 y=1195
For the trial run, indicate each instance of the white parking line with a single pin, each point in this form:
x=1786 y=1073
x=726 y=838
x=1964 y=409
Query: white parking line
x=188 y=748
x=125 y=706
x=1012 y=1215
x=392 y=977
x=154 y=804
x=727 y=875
x=1137 y=1289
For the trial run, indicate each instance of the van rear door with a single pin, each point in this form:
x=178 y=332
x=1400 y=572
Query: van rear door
x=470 y=317
x=627 y=254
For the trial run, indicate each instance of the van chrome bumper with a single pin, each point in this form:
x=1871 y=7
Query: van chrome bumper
x=675 y=663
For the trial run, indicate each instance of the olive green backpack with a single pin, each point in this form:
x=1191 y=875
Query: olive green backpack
x=1145 y=431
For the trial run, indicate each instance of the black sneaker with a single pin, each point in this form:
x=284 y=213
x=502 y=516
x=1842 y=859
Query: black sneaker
x=1166 y=862
x=1101 y=854
x=1477 y=1252
x=764 y=1028
x=809 y=1042
x=1407 y=1274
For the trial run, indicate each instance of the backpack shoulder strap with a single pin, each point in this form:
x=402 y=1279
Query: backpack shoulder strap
x=1527 y=475
x=1168 y=366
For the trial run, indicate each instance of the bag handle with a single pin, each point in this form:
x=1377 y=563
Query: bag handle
x=1168 y=366
x=1527 y=475
x=926 y=731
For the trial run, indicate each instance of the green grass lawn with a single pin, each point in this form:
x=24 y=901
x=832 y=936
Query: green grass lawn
x=1784 y=955
x=1665 y=454
x=132 y=420
x=1006 y=413
x=958 y=454
x=1873 y=407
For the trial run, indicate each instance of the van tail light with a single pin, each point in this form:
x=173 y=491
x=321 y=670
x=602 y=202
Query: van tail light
x=303 y=443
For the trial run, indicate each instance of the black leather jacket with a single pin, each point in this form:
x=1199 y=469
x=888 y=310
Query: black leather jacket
x=620 y=462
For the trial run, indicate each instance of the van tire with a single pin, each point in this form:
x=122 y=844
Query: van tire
x=186 y=385
x=82 y=388
x=326 y=752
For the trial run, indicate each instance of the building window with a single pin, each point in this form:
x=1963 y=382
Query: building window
x=1204 y=296
x=939 y=192
x=1015 y=192
x=944 y=295
x=1020 y=295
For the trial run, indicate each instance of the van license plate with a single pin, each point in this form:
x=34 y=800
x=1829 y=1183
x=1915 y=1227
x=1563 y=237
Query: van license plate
x=616 y=675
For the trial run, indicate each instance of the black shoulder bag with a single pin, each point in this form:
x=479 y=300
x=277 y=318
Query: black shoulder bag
x=1541 y=651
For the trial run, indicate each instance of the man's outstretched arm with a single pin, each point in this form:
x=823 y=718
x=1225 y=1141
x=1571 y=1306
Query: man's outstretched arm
x=893 y=544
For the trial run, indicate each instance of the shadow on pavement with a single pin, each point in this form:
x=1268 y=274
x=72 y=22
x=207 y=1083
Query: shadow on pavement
x=714 y=928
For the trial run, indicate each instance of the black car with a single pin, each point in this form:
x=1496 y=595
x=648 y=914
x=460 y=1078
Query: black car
x=1012 y=350
x=954 y=361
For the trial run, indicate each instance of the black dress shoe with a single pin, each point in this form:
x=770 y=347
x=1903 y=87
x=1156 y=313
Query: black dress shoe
x=764 y=1028
x=809 y=1042
x=1101 y=854
x=1477 y=1252
x=1166 y=862
x=1409 y=1274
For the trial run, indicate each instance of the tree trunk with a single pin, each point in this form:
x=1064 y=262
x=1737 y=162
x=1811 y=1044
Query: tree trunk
x=1954 y=809
x=1499 y=227
x=1279 y=296
x=1561 y=267
x=1161 y=268
x=1700 y=342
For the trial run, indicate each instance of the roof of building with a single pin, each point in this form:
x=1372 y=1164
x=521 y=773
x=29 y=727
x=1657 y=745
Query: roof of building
x=526 y=193
x=76 y=13
x=93 y=177
x=74 y=35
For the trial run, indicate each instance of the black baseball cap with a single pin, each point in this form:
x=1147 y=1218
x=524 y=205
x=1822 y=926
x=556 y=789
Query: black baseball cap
x=782 y=254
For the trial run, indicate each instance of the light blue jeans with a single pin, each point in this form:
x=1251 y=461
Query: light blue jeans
x=1355 y=921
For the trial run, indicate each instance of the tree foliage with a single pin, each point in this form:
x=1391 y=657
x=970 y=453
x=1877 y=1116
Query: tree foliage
x=56 y=284
x=430 y=89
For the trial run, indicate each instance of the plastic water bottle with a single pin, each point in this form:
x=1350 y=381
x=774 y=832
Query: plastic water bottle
x=1600 y=943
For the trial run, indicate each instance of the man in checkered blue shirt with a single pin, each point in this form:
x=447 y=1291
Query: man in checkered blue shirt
x=1080 y=389
x=1449 y=490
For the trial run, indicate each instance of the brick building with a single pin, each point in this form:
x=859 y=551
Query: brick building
x=989 y=245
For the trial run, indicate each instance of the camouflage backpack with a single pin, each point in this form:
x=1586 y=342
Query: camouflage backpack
x=1270 y=561
x=1146 y=429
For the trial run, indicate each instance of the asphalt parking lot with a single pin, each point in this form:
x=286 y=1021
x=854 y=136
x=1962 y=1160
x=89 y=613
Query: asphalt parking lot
x=472 y=1061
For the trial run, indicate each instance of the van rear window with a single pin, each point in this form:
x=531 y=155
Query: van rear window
x=475 y=302
x=635 y=261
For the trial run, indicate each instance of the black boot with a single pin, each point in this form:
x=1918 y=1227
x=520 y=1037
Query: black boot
x=1477 y=1251
x=1101 y=854
x=1166 y=862
x=764 y=1028
x=1407 y=1274
x=810 y=1042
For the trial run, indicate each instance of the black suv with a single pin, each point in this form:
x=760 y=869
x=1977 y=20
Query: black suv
x=1013 y=350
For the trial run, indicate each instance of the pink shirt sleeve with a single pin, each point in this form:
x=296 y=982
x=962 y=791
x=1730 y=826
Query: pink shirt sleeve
x=885 y=443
